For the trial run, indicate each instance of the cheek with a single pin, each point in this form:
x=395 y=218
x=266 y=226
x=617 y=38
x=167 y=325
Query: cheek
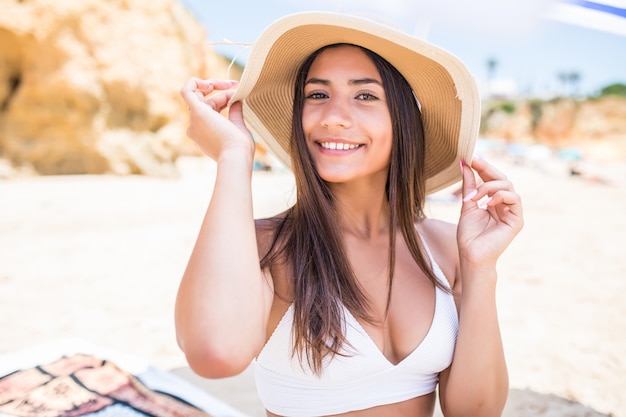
x=307 y=122
x=385 y=130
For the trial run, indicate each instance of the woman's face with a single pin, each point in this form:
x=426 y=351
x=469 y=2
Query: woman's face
x=345 y=117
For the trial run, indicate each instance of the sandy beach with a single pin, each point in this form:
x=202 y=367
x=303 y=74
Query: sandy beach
x=100 y=258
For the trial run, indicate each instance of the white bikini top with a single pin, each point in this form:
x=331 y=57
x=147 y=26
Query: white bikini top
x=362 y=379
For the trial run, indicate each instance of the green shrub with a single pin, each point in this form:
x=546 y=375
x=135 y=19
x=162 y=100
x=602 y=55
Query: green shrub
x=614 y=90
x=508 y=107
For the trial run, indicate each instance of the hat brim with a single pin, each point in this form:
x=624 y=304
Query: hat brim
x=446 y=90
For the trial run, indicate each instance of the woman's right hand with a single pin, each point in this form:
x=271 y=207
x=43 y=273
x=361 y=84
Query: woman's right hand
x=213 y=132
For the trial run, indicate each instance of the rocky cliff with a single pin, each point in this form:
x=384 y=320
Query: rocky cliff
x=594 y=121
x=92 y=86
x=596 y=126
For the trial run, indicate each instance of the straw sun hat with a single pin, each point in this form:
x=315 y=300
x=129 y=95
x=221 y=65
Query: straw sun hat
x=444 y=87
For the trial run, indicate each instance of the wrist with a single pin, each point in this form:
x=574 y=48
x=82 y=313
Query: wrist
x=237 y=155
x=480 y=274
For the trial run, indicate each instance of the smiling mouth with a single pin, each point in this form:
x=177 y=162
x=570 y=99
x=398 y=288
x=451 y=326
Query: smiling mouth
x=339 y=146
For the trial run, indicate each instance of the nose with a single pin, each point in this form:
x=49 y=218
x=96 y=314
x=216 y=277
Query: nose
x=337 y=113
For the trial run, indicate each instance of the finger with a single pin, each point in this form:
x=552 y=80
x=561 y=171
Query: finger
x=469 y=181
x=486 y=171
x=208 y=86
x=214 y=84
x=488 y=189
x=508 y=198
x=219 y=102
x=235 y=114
x=507 y=202
x=195 y=89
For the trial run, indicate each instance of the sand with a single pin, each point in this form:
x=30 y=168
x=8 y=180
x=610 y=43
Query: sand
x=100 y=258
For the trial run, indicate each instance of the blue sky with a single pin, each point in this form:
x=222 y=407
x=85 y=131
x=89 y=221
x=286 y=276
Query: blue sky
x=530 y=49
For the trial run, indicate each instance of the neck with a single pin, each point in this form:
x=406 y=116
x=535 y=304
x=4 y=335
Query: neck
x=362 y=209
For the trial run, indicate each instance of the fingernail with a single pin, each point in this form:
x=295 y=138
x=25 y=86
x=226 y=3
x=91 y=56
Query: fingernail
x=482 y=203
x=470 y=196
x=234 y=82
x=462 y=164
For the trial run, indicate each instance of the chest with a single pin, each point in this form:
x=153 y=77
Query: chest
x=403 y=315
x=361 y=356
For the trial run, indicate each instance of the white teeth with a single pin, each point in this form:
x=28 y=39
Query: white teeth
x=340 y=146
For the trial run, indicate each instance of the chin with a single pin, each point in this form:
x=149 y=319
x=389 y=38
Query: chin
x=335 y=178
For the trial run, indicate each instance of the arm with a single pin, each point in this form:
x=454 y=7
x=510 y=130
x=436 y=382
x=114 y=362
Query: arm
x=223 y=299
x=476 y=384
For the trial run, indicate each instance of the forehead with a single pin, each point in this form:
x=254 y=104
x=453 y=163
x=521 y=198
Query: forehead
x=344 y=58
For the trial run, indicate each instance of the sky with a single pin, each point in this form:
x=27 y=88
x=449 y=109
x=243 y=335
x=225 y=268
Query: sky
x=530 y=49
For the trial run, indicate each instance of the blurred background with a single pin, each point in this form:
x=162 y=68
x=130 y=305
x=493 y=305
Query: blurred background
x=92 y=87
x=102 y=194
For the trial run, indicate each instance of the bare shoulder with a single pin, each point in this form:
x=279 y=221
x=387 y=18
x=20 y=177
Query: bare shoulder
x=440 y=236
x=266 y=233
x=266 y=229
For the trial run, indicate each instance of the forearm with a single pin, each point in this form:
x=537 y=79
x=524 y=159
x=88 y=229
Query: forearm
x=220 y=304
x=478 y=381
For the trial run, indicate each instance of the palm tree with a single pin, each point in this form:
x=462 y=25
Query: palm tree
x=563 y=78
x=492 y=64
x=573 y=79
x=570 y=82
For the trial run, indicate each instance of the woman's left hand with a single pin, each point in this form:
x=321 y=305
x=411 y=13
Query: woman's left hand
x=491 y=215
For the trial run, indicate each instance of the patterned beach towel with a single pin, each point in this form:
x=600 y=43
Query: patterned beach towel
x=84 y=385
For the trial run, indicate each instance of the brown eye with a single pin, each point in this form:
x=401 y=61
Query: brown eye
x=316 y=96
x=367 y=97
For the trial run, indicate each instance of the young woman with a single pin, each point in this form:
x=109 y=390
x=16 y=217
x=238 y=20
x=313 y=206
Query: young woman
x=351 y=302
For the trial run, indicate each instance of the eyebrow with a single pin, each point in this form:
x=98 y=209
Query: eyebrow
x=358 y=81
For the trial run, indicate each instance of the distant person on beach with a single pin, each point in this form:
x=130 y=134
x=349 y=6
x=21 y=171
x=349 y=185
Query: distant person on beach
x=351 y=302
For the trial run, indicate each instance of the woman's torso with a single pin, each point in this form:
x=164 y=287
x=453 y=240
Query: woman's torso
x=411 y=311
x=423 y=406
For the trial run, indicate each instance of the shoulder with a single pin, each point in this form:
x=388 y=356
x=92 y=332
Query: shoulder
x=266 y=230
x=440 y=236
x=276 y=269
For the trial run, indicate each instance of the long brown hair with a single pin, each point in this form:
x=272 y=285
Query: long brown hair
x=307 y=238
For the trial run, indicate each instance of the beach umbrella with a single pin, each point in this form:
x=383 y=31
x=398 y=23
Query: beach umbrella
x=570 y=154
x=604 y=15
